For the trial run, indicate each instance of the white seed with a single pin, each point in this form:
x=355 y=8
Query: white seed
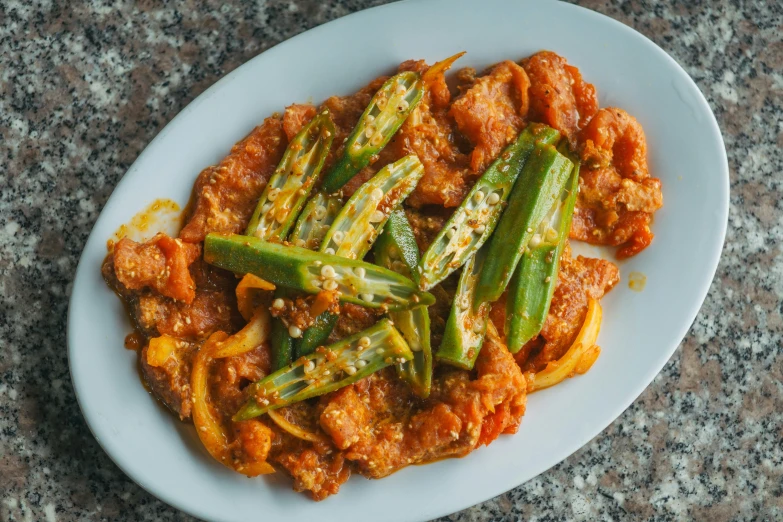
x=398 y=266
x=364 y=341
x=338 y=237
x=400 y=90
x=300 y=243
x=273 y=193
x=360 y=272
x=370 y=118
x=330 y=285
x=464 y=301
x=278 y=304
x=376 y=194
x=551 y=234
x=350 y=370
x=493 y=198
x=535 y=240
x=478 y=326
x=309 y=366
x=379 y=351
x=450 y=233
x=327 y=372
x=317 y=262
x=294 y=331
x=319 y=212
x=367 y=297
x=381 y=103
x=479 y=229
x=361 y=363
x=329 y=250
x=369 y=131
x=328 y=271
x=478 y=196
x=377 y=139
x=282 y=214
x=403 y=105
x=547 y=279
x=529 y=230
x=504 y=168
x=377 y=216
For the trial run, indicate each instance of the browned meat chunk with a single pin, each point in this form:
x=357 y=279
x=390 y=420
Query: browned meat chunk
x=161 y=264
x=226 y=194
x=492 y=111
x=170 y=382
x=320 y=470
x=209 y=312
x=558 y=95
x=617 y=196
x=295 y=117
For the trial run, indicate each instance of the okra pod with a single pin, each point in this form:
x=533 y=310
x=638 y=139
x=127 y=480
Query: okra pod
x=533 y=284
x=387 y=111
x=329 y=369
x=362 y=218
x=358 y=224
x=474 y=220
x=312 y=272
x=282 y=344
x=315 y=220
x=535 y=192
x=288 y=188
x=466 y=325
x=396 y=250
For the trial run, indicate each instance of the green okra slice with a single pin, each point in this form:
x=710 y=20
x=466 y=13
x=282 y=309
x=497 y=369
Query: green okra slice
x=315 y=220
x=328 y=369
x=396 y=250
x=362 y=218
x=387 y=111
x=312 y=272
x=357 y=227
x=474 y=220
x=282 y=344
x=538 y=187
x=466 y=325
x=289 y=186
x=531 y=288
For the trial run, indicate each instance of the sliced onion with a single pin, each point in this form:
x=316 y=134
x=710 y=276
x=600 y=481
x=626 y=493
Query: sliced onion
x=246 y=290
x=293 y=429
x=254 y=334
x=567 y=365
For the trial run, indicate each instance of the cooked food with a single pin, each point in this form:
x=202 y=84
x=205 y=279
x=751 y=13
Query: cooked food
x=381 y=280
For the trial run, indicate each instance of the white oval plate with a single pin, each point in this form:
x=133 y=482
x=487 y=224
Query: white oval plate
x=640 y=330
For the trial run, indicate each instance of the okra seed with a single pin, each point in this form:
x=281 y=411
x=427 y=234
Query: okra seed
x=350 y=370
x=330 y=285
x=401 y=90
x=478 y=196
x=493 y=198
x=338 y=237
x=300 y=243
x=379 y=351
x=369 y=131
x=398 y=266
x=551 y=234
x=403 y=105
x=415 y=298
x=478 y=327
x=547 y=279
x=464 y=301
x=273 y=193
x=278 y=304
x=504 y=168
x=329 y=250
x=282 y=214
x=535 y=240
x=381 y=103
x=376 y=194
x=377 y=216
x=361 y=363
x=328 y=271
x=370 y=118
x=480 y=229
x=294 y=331
x=360 y=272
x=364 y=341
x=450 y=233
x=309 y=366
x=376 y=140
x=317 y=262
x=368 y=297
x=529 y=230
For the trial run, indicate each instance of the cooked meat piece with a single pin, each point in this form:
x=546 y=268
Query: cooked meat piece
x=492 y=112
x=426 y=223
x=295 y=117
x=209 y=312
x=225 y=195
x=232 y=374
x=617 y=197
x=558 y=95
x=345 y=417
x=160 y=263
x=353 y=319
x=579 y=279
x=429 y=132
x=320 y=470
x=170 y=383
x=252 y=442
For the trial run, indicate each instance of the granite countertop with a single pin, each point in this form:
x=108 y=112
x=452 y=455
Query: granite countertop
x=85 y=87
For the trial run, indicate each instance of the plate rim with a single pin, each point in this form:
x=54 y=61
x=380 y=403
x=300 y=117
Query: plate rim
x=652 y=371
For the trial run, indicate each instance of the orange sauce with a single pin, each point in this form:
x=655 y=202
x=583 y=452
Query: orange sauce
x=637 y=281
x=162 y=215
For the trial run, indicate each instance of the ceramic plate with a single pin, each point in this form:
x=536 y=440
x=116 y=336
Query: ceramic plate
x=640 y=329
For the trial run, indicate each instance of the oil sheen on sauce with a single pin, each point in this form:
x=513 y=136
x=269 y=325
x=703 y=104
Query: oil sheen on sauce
x=162 y=215
x=637 y=281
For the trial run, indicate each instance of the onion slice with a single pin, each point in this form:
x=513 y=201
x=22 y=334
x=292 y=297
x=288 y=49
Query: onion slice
x=569 y=364
x=245 y=292
x=293 y=429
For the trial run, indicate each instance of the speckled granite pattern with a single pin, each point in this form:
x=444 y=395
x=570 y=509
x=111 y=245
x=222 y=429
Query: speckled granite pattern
x=83 y=89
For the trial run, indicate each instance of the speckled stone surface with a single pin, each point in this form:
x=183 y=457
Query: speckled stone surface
x=83 y=89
